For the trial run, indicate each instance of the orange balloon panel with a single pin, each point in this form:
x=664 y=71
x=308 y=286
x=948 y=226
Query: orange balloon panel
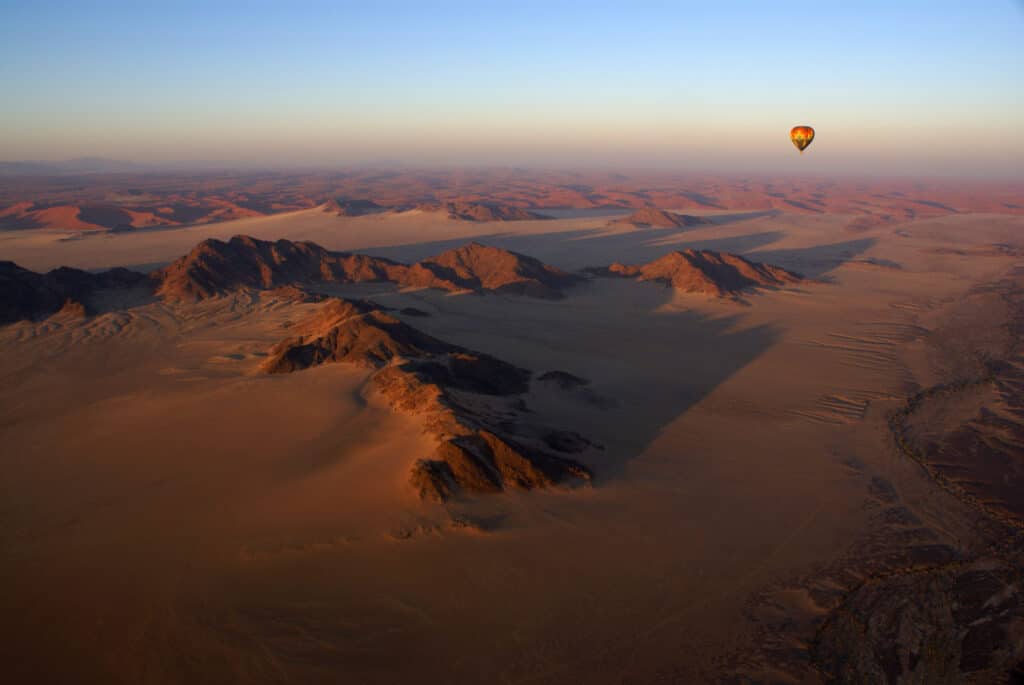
x=801 y=137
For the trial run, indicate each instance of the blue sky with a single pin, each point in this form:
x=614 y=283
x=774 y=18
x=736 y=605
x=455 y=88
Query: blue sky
x=903 y=87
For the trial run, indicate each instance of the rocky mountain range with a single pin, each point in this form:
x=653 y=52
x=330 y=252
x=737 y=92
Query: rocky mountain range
x=718 y=274
x=472 y=402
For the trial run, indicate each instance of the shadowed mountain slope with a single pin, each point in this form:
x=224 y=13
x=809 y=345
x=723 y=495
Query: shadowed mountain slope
x=343 y=207
x=215 y=266
x=471 y=402
x=26 y=294
x=705 y=271
x=479 y=267
x=657 y=218
x=459 y=210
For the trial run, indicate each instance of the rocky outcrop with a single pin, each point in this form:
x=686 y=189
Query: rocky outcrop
x=459 y=210
x=214 y=267
x=648 y=217
x=413 y=311
x=718 y=274
x=351 y=331
x=563 y=380
x=572 y=386
x=292 y=294
x=343 y=207
x=470 y=402
x=479 y=267
x=961 y=623
x=26 y=294
x=484 y=462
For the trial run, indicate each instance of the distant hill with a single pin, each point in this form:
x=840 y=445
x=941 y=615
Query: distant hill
x=341 y=207
x=215 y=266
x=26 y=294
x=705 y=271
x=480 y=267
x=648 y=217
x=80 y=165
x=108 y=216
x=480 y=211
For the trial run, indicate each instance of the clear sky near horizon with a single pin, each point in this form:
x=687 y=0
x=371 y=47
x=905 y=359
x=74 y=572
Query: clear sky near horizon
x=900 y=87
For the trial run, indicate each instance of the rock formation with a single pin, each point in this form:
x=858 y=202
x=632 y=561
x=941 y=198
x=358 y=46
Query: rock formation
x=472 y=403
x=954 y=624
x=342 y=207
x=705 y=271
x=479 y=267
x=459 y=210
x=960 y=621
x=214 y=267
x=648 y=217
x=26 y=294
x=351 y=331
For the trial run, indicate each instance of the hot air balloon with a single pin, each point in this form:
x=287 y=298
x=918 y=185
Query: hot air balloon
x=801 y=137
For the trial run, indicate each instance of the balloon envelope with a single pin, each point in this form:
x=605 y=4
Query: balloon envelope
x=801 y=137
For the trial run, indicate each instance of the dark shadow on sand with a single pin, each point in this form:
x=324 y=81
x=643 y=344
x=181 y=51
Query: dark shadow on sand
x=817 y=261
x=723 y=219
x=607 y=331
x=575 y=250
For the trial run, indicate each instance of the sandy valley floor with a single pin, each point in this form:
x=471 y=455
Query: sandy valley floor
x=168 y=514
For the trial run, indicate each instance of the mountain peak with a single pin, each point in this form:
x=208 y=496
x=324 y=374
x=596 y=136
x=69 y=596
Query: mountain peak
x=705 y=271
x=215 y=266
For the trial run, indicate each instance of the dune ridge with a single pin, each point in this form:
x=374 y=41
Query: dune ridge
x=38 y=197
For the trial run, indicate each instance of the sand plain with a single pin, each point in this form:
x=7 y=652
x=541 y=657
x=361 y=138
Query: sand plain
x=171 y=515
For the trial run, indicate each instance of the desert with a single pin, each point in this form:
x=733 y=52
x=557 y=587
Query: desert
x=284 y=447
x=491 y=343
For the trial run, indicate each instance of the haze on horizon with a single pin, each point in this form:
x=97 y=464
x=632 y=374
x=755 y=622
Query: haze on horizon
x=931 y=88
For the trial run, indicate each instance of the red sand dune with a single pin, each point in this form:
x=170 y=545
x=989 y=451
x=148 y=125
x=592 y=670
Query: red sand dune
x=471 y=195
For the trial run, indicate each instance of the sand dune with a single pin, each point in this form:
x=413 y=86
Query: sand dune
x=128 y=201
